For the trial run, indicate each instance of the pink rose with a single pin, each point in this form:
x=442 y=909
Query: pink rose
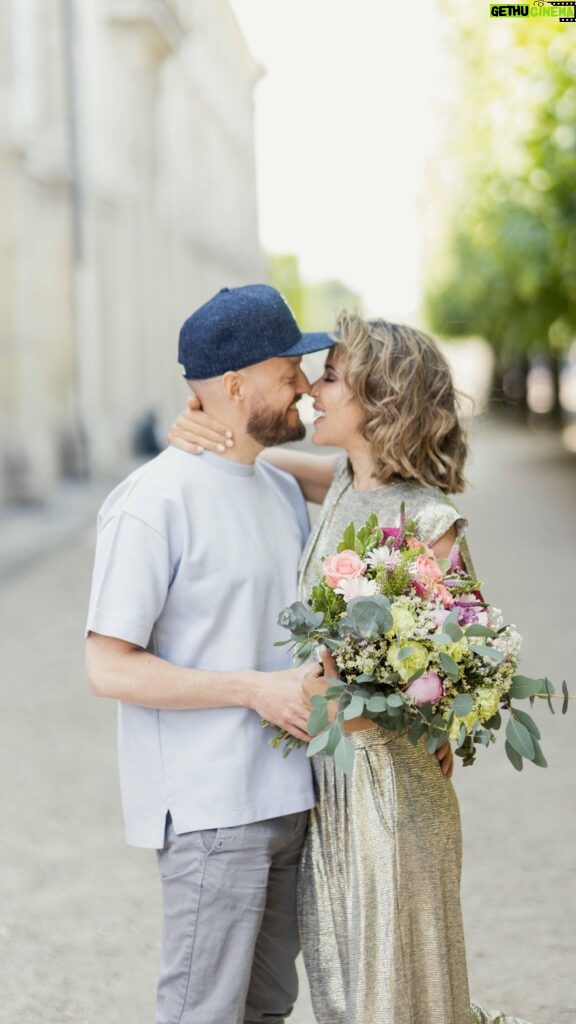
x=427 y=569
x=426 y=575
x=346 y=565
x=426 y=690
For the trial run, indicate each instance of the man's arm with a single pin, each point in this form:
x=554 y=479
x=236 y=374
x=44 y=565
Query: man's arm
x=123 y=671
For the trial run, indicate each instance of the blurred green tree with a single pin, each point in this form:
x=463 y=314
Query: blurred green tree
x=315 y=306
x=505 y=266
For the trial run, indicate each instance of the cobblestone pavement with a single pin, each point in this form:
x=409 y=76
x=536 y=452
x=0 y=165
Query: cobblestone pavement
x=80 y=911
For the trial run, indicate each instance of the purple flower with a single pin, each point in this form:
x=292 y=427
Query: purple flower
x=470 y=610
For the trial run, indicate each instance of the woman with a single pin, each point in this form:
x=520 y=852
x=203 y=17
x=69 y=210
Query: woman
x=380 y=914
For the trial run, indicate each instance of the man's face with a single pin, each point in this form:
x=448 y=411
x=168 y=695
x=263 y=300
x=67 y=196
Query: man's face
x=273 y=416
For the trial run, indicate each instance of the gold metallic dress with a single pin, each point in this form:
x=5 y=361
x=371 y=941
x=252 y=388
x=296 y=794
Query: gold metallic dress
x=379 y=897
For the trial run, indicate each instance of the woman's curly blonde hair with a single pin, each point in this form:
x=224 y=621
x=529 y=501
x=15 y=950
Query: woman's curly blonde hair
x=403 y=383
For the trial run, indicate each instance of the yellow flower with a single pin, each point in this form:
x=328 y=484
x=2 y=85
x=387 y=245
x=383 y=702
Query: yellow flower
x=487 y=701
x=457 y=650
x=404 y=622
x=416 y=661
x=467 y=720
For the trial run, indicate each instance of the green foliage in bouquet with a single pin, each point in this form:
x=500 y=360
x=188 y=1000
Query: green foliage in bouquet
x=418 y=650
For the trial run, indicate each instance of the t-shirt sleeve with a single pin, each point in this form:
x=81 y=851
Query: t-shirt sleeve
x=435 y=519
x=130 y=581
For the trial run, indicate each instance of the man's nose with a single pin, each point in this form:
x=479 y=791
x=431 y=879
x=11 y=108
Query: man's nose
x=304 y=386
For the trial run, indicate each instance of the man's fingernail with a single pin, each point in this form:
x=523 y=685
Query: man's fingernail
x=220 y=448
x=228 y=433
x=229 y=443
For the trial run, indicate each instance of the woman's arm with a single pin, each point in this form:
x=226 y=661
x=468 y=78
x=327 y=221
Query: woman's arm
x=442 y=548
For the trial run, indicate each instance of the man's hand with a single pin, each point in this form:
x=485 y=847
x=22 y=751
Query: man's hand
x=279 y=699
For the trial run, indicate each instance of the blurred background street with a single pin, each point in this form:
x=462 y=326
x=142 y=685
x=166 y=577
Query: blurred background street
x=81 y=921
x=415 y=167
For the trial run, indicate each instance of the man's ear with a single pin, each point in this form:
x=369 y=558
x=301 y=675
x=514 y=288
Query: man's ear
x=235 y=386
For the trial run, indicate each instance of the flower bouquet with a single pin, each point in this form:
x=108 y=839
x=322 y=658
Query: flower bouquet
x=418 y=650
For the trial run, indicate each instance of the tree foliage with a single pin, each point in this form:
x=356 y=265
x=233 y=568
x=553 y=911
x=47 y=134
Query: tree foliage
x=315 y=306
x=508 y=265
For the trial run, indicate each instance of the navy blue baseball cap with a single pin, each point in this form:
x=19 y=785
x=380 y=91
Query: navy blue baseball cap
x=239 y=327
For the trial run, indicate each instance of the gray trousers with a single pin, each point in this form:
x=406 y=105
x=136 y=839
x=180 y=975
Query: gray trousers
x=230 y=932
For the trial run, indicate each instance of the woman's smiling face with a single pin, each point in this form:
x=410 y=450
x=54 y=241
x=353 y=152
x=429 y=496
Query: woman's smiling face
x=339 y=418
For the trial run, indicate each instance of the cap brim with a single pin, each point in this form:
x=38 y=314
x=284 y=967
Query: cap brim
x=310 y=342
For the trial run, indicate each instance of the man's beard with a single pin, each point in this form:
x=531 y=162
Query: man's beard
x=269 y=427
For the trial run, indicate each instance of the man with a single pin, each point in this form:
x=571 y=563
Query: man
x=195 y=558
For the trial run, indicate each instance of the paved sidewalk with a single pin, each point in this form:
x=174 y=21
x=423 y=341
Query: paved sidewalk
x=80 y=912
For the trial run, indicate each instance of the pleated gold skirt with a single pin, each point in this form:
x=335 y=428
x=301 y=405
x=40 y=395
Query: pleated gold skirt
x=379 y=893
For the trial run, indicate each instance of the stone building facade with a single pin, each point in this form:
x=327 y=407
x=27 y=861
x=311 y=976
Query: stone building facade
x=127 y=197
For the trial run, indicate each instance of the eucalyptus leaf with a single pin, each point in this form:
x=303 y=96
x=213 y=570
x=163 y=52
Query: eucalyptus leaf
x=487 y=652
x=449 y=665
x=566 y=698
x=366 y=617
x=377 y=703
x=334 y=734
x=477 y=629
x=318 y=700
x=436 y=739
x=438 y=722
x=318 y=743
x=416 y=731
x=355 y=708
x=528 y=721
x=522 y=687
x=344 y=755
x=538 y=758
x=514 y=757
x=443 y=639
x=336 y=690
x=548 y=689
x=495 y=722
x=462 y=705
x=519 y=738
x=303 y=653
x=453 y=630
x=395 y=700
x=317 y=720
x=404 y=653
x=300 y=619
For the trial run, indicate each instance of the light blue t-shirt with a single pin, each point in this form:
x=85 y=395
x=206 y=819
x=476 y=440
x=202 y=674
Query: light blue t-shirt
x=196 y=556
